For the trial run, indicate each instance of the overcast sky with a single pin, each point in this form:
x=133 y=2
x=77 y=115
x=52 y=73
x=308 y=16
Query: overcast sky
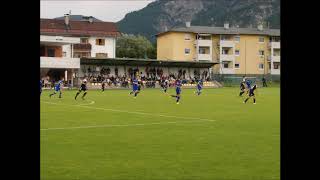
x=105 y=10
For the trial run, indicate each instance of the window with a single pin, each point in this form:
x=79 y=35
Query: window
x=81 y=54
x=225 y=51
x=202 y=51
x=261 y=52
x=101 y=55
x=84 y=40
x=100 y=42
x=276 y=65
x=186 y=51
x=237 y=65
x=237 y=52
x=226 y=65
x=237 y=38
x=51 y=52
x=64 y=54
x=187 y=37
x=261 y=66
x=261 y=39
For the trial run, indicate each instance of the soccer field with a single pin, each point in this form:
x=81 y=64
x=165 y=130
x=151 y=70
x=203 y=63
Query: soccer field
x=112 y=136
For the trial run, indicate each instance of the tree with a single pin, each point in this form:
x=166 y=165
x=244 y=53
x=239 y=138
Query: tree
x=131 y=46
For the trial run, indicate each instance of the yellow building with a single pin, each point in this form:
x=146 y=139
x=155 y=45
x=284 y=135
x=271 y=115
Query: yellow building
x=236 y=50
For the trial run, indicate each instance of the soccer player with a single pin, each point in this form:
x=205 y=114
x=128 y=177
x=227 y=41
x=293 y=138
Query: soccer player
x=242 y=88
x=165 y=85
x=135 y=87
x=57 y=88
x=83 y=88
x=248 y=83
x=199 y=87
x=103 y=86
x=251 y=94
x=178 y=91
x=40 y=87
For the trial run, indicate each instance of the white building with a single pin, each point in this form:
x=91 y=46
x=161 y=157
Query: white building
x=63 y=42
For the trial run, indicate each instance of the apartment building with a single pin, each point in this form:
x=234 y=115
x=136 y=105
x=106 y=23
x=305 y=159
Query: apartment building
x=236 y=50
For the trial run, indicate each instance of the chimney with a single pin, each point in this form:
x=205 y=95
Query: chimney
x=260 y=27
x=226 y=25
x=188 y=24
x=165 y=28
x=90 y=19
x=66 y=19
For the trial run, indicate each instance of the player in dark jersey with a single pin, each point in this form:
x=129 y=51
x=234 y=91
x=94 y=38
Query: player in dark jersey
x=165 y=85
x=199 y=87
x=83 y=88
x=178 y=91
x=135 y=87
x=242 y=88
x=40 y=87
x=57 y=89
x=103 y=85
x=251 y=94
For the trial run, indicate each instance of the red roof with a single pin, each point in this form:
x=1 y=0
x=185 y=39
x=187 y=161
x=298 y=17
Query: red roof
x=78 y=28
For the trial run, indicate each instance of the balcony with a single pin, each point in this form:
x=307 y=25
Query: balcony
x=207 y=43
x=205 y=57
x=274 y=45
x=227 y=57
x=275 y=71
x=82 y=47
x=58 y=40
x=60 y=62
x=276 y=58
x=227 y=43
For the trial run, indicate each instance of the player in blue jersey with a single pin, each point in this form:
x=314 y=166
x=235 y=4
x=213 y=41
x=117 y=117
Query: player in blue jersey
x=83 y=88
x=199 y=87
x=40 y=87
x=135 y=87
x=251 y=94
x=248 y=83
x=57 y=89
x=178 y=91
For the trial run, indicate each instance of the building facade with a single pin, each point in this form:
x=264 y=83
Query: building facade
x=63 y=42
x=236 y=50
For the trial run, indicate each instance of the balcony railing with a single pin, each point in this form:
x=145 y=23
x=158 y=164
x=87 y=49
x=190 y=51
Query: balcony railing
x=207 y=43
x=59 y=62
x=205 y=57
x=227 y=57
x=276 y=58
x=227 y=43
x=82 y=47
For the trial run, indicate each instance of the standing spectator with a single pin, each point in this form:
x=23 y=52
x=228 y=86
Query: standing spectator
x=264 y=82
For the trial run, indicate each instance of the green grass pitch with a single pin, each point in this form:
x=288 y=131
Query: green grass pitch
x=112 y=136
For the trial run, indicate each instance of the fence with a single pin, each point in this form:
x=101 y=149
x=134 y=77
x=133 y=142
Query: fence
x=235 y=79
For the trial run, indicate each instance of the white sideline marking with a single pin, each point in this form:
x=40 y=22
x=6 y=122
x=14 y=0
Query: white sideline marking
x=140 y=113
x=116 y=125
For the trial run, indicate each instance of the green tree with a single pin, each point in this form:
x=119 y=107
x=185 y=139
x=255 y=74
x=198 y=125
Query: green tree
x=131 y=46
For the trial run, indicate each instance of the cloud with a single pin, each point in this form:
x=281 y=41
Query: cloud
x=106 y=10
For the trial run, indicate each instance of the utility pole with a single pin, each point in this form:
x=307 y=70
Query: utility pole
x=245 y=57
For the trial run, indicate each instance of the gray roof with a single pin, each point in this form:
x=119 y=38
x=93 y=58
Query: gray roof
x=222 y=30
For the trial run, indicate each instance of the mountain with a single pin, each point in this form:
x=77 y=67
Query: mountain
x=165 y=14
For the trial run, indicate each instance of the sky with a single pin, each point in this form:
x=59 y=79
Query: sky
x=105 y=10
